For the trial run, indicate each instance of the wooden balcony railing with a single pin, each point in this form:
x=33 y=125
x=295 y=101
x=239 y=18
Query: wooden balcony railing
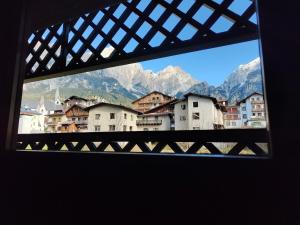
x=148 y=122
x=216 y=142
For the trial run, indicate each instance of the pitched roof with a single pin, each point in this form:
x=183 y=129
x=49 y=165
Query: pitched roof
x=77 y=105
x=243 y=100
x=150 y=94
x=161 y=106
x=112 y=105
x=75 y=97
x=201 y=96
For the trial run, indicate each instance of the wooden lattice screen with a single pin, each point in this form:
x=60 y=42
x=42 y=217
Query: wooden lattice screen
x=135 y=30
x=216 y=142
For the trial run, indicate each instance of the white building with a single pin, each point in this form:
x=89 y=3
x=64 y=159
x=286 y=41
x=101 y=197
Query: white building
x=154 y=121
x=31 y=122
x=198 y=112
x=253 y=111
x=111 y=117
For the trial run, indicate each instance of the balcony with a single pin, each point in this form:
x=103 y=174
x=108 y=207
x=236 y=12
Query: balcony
x=148 y=122
x=257 y=101
x=258 y=110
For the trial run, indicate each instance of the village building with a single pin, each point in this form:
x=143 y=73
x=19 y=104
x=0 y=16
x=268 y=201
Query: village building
x=31 y=122
x=253 y=112
x=75 y=100
x=232 y=118
x=110 y=117
x=77 y=119
x=198 y=112
x=158 y=118
x=155 y=121
x=54 y=121
x=150 y=101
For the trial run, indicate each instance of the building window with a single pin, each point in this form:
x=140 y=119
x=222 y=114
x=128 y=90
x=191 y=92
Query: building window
x=252 y=99
x=253 y=114
x=182 y=118
x=243 y=108
x=84 y=118
x=244 y=116
x=124 y=127
x=195 y=104
x=196 y=128
x=146 y=129
x=155 y=129
x=97 y=116
x=73 y=119
x=97 y=128
x=228 y=123
x=196 y=116
x=125 y=116
x=112 y=116
x=183 y=106
x=259 y=114
x=258 y=98
x=233 y=124
x=130 y=128
x=112 y=127
x=156 y=117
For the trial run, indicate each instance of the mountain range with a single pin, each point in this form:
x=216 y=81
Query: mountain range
x=126 y=83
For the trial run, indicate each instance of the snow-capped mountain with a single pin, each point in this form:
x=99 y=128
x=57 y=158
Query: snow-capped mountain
x=128 y=82
x=242 y=82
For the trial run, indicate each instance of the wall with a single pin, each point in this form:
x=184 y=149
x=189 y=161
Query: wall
x=206 y=110
x=178 y=111
x=165 y=125
x=105 y=120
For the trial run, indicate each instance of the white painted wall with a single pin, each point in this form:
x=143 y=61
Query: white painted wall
x=208 y=114
x=29 y=124
x=105 y=121
x=179 y=113
x=165 y=125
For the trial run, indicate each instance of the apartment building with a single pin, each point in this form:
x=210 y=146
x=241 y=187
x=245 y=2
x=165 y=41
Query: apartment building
x=150 y=101
x=155 y=121
x=111 y=117
x=232 y=118
x=54 y=121
x=31 y=122
x=253 y=111
x=77 y=119
x=198 y=112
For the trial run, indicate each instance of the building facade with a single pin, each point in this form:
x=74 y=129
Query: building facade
x=31 y=122
x=150 y=101
x=232 y=118
x=77 y=119
x=198 y=112
x=253 y=112
x=155 y=121
x=54 y=121
x=105 y=117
